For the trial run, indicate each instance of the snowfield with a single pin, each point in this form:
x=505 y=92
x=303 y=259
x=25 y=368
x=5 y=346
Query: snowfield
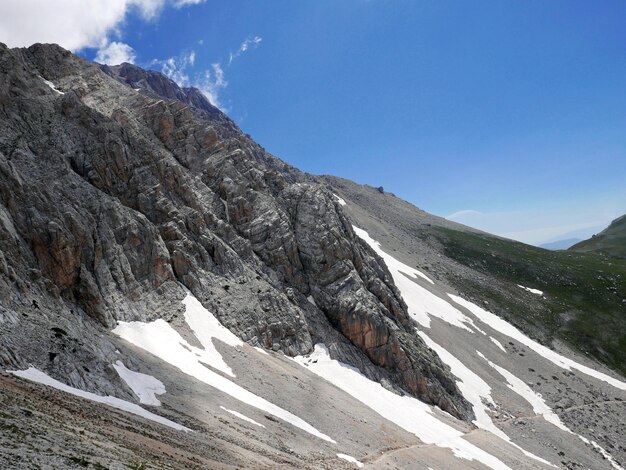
x=407 y=412
x=542 y=409
x=242 y=417
x=531 y=290
x=477 y=392
x=207 y=328
x=161 y=340
x=40 y=377
x=144 y=386
x=421 y=302
x=350 y=459
x=509 y=330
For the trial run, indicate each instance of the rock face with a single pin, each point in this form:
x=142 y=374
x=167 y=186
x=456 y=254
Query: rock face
x=156 y=82
x=119 y=190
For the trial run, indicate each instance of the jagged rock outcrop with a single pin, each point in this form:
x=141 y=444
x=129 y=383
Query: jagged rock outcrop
x=118 y=190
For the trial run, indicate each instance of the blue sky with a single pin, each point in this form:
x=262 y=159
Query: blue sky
x=509 y=114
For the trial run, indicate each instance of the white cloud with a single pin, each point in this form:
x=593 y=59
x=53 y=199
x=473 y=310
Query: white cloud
x=210 y=82
x=249 y=43
x=115 y=53
x=176 y=67
x=73 y=24
x=149 y=9
x=182 y=3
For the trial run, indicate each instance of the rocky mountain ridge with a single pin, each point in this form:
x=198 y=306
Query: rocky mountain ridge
x=112 y=200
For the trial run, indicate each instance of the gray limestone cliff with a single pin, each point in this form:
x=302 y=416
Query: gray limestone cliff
x=119 y=190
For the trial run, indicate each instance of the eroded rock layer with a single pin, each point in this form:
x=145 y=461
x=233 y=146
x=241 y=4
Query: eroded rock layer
x=119 y=190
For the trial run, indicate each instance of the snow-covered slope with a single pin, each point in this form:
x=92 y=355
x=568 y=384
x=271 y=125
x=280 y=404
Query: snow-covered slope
x=328 y=409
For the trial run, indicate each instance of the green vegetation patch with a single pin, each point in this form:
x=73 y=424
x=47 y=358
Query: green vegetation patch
x=584 y=300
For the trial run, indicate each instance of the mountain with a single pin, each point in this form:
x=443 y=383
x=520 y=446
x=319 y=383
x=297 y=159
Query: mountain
x=560 y=244
x=610 y=242
x=173 y=296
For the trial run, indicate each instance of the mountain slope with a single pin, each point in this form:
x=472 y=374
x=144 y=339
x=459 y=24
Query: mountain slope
x=610 y=242
x=582 y=302
x=172 y=296
x=133 y=196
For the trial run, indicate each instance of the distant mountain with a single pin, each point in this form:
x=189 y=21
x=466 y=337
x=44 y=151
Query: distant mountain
x=560 y=244
x=611 y=241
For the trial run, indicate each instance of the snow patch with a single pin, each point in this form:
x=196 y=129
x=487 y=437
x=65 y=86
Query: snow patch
x=421 y=302
x=509 y=330
x=532 y=291
x=605 y=454
x=339 y=200
x=541 y=408
x=350 y=459
x=407 y=412
x=51 y=85
x=40 y=377
x=473 y=388
x=161 y=340
x=397 y=265
x=311 y=300
x=523 y=390
x=476 y=391
x=226 y=209
x=242 y=416
x=206 y=327
x=497 y=343
x=144 y=386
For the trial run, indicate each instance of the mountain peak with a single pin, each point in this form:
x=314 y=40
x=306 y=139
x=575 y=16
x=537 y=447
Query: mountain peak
x=159 y=84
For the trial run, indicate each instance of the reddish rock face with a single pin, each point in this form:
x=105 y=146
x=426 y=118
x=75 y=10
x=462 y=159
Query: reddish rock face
x=360 y=330
x=59 y=256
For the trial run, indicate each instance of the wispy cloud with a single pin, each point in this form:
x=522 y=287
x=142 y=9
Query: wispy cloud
x=210 y=82
x=182 y=3
x=115 y=53
x=250 y=43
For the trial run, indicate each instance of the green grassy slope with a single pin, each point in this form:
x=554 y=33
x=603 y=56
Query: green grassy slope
x=610 y=242
x=584 y=300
